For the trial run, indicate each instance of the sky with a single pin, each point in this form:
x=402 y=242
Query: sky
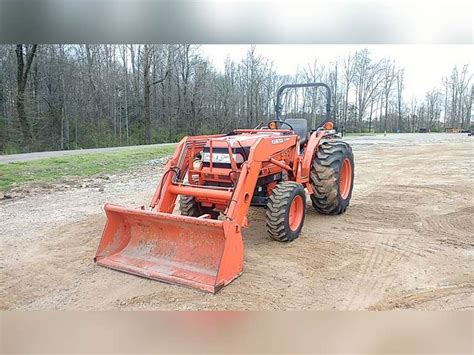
x=425 y=65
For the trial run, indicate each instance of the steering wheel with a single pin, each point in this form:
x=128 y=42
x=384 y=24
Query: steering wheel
x=279 y=121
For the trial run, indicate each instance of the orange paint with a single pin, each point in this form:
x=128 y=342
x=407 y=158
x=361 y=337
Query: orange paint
x=345 y=178
x=296 y=213
x=200 y=252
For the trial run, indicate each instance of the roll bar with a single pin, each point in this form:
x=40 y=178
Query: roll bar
x=279 y=107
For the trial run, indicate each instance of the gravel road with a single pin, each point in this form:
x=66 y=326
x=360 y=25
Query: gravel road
x=4 y=159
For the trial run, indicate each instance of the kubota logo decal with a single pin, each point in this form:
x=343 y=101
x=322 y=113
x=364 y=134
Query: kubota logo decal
x=279 y=140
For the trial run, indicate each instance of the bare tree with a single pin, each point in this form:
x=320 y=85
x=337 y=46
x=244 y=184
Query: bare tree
x=400 y=85
x=389 y=79
x=348 y=70
x=22 y=78
x=368 y=77
x=433 y=107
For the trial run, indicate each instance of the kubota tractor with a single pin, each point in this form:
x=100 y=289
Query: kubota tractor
x=217 y=178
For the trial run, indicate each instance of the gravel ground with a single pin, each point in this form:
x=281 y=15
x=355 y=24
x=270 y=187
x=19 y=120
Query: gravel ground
x=405 y=242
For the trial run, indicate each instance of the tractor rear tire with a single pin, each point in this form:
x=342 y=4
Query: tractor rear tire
x=188 y=206
x=332 y=177
x=286 y=210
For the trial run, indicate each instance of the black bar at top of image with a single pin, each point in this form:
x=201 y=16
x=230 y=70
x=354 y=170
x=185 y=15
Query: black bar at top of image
x=236 y=21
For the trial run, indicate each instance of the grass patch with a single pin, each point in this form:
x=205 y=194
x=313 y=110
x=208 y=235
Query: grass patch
x=81 y=165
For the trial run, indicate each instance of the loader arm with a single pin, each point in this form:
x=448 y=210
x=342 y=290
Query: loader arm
x=193 y=251
x=239 y=198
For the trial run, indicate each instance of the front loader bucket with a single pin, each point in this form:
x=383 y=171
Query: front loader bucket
x=197 y=252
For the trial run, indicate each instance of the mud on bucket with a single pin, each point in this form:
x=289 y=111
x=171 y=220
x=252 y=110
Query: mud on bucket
x=200 y=253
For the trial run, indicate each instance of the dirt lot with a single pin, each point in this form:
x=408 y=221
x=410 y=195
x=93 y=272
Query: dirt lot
x=405 y=242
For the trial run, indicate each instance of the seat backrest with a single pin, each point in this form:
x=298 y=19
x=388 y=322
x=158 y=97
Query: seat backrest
x=300 y=126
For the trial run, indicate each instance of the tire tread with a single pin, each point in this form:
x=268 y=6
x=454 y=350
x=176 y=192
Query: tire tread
x=324 y=176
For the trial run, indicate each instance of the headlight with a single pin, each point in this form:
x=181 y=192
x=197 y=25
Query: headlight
x=221 y=158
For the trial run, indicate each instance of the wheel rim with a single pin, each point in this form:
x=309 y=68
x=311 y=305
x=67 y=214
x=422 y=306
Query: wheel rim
x=345 y=178
x=296 y=213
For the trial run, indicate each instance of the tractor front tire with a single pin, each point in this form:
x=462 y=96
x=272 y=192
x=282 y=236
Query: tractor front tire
x=188 y=206
x=286 y=210
x=332 y=177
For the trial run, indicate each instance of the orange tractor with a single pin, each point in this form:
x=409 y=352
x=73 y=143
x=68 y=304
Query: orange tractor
x=218 y=178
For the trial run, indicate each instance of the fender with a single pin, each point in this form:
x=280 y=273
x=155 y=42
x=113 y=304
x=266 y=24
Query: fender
x=311 y=148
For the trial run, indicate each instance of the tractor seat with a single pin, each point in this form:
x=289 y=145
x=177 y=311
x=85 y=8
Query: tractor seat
x=300 y=126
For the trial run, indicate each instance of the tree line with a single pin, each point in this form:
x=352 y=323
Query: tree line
x=82 y=96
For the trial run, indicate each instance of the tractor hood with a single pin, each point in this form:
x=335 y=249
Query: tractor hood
x=241 y=140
